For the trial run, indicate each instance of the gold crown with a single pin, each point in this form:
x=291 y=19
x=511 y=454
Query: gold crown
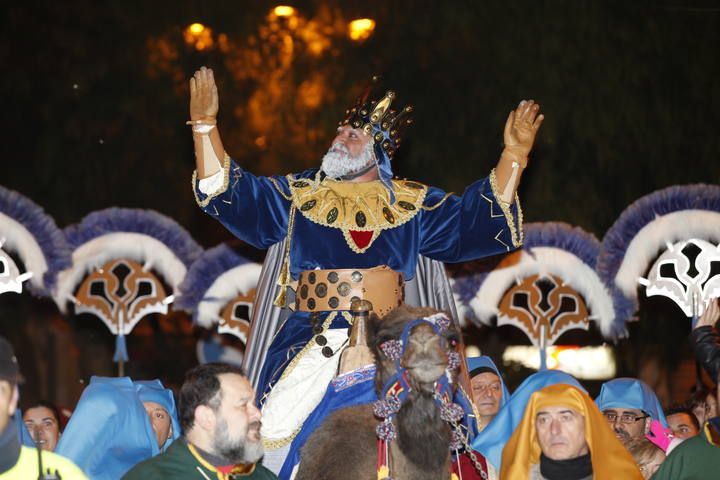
x=376 y=118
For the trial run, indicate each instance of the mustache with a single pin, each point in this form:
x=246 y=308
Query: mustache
x=622 y=433
x=339 y=147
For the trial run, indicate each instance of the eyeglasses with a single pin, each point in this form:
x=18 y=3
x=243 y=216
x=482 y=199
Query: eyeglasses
x=626 y=418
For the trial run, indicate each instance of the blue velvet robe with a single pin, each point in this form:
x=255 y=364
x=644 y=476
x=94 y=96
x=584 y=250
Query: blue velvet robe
x=448 y=228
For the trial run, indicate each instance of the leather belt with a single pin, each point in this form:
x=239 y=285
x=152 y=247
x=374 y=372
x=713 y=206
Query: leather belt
x=323 y=290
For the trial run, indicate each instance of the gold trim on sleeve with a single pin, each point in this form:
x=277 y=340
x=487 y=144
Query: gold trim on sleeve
x=442 y=200
x=220 y=191
x=516 y=233
x=279 y=188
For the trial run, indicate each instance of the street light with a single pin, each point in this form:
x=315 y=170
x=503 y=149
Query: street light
x=196 y=28
x=284 y=11
x=198 y=36
x=361 y=29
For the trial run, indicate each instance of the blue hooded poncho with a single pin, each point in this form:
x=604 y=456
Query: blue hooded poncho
x=474 y=363
x=630 y=393
x=110 y=431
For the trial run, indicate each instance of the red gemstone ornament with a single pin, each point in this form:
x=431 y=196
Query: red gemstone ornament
x=361 y=239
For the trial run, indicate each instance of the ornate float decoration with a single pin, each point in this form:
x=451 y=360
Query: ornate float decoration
x=29 y=236
x=219 y=289
x=668 y=242
x=126 y=264
x=545 y=289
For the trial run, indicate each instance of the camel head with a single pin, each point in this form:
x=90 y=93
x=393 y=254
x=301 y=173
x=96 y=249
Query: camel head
x=427 y=353
x=418 y=365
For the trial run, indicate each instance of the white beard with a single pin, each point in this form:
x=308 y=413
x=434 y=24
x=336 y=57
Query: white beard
x=338 y=162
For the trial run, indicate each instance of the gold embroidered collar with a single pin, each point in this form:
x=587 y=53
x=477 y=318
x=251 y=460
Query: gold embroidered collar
x=362 y=206
x=357 y=206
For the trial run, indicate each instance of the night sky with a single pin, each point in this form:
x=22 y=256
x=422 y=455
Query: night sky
x=95 y=102
x=95 y=97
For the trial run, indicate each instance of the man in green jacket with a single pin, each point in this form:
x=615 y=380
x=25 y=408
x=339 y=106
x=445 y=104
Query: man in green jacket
x=696 y=458
x=222 y=431
x=18 y=461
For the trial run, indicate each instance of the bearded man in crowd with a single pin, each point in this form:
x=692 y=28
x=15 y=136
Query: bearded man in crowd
x=222 y=430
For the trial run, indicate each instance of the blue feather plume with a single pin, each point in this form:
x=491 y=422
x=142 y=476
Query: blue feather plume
x=643 y=211
x=203 y=272
x=561 y=235
x=48 y=236
x=574 y=240
x=146 y=222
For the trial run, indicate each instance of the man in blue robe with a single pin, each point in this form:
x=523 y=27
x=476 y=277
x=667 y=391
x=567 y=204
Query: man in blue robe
x=629 y=406
x=351 y=231
x=488 y=390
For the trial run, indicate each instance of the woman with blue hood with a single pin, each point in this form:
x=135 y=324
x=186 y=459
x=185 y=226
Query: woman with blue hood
x=110 y=430
x=489 y=393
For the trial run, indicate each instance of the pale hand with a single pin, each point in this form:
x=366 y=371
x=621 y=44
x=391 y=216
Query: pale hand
x=521 y=128
x=711 y=315
x=203 y=95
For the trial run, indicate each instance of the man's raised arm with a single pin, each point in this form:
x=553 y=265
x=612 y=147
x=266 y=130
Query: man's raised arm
x=521 y=128
x=209 y=150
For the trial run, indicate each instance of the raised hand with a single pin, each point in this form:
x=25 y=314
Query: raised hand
x=711 y=315
x=521 y=128
x=203 y=96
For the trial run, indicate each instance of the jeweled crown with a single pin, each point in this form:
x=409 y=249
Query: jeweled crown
x=384 y=124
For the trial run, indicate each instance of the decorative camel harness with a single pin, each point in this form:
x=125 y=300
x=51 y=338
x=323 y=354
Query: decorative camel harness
x=396 y=391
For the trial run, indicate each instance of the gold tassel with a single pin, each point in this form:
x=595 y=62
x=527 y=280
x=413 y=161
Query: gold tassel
x=284 y=280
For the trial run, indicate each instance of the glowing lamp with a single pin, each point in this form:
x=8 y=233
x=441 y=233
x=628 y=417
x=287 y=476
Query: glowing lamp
x=284 y=11
x=361 y=29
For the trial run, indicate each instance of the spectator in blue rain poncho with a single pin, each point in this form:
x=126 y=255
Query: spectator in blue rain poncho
x=488 y=391
x=629 y=406
x=111 y=429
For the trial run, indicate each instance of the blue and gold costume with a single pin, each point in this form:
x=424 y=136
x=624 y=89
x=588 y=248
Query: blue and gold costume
x=338 y=225
x=332 y=225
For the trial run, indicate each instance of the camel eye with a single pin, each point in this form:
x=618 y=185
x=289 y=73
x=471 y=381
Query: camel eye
x=453 y=339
